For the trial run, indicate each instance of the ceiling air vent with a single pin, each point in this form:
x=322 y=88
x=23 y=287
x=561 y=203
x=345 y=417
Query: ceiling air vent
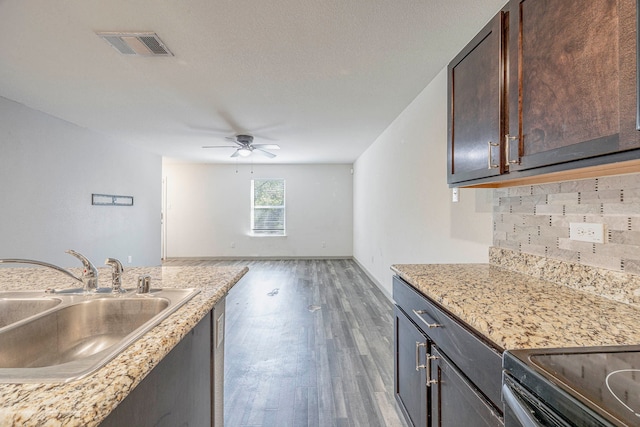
x=137 y=44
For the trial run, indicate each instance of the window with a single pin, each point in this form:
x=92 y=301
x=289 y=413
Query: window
x=267 y=207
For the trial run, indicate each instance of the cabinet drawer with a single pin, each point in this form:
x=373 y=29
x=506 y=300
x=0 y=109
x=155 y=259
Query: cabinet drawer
x=480 y=362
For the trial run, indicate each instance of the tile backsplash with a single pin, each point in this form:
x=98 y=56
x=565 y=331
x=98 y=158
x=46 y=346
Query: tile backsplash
x=534 y=219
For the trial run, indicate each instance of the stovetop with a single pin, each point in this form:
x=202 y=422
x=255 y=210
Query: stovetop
x=606 y=380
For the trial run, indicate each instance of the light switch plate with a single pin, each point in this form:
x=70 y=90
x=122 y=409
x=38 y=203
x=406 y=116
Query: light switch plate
x=586 y=232
x=455 y=196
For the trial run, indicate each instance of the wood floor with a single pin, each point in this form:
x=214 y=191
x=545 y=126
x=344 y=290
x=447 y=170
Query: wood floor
x=308 y=343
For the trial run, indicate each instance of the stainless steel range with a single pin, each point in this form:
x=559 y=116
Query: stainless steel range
x=572 y=387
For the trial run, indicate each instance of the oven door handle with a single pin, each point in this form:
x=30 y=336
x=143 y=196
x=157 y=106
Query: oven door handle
x=519 y=408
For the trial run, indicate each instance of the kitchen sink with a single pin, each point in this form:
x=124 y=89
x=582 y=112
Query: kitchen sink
x=15 y=307
x=80 y=333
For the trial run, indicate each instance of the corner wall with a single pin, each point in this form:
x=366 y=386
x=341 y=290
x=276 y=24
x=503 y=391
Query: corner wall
x=402 y=205
x=208 y=210
x=49 y=168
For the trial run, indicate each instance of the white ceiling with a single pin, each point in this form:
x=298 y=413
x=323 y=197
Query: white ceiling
x=320 y=78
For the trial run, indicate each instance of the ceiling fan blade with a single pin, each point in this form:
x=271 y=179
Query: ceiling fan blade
x=231 y=122
x=266 y=128
x=236 y=153
x=219 y=146
x=267 y=146
x=210 y=130
x=264 y=153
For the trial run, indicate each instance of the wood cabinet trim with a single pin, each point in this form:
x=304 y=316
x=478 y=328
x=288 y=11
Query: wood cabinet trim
x=609 y=169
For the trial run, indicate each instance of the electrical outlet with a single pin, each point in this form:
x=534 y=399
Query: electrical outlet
x=586 y=232
x=324 y=244
x=129 y=259
x=233 y=245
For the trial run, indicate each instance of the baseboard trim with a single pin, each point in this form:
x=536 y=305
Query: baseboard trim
x=374 y=280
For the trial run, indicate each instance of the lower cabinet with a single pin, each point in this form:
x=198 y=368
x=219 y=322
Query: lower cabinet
x=185 y=389
x=410 y=379
x=444 y=374
x=455 y=401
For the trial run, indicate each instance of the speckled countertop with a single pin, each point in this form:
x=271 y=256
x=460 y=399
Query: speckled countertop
x=87 y=401
x=514 y=310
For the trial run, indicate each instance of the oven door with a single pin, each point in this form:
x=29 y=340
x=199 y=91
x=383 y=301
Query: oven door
x=523 y=409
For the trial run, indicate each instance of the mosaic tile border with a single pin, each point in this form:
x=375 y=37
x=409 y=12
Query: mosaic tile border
x=535 y=219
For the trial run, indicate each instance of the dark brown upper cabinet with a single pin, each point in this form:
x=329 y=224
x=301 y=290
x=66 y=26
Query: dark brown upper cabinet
x=570 y=90
x=564 y=87
x=476 y=106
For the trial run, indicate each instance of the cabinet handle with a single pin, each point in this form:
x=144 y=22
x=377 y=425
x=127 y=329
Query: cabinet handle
x=429 y=379
x=508 y=138
x=419 y=313
x=489 y=164
x=418 y=345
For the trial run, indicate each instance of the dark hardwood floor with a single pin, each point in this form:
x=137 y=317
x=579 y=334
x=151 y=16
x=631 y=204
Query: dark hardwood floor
x=308 y=343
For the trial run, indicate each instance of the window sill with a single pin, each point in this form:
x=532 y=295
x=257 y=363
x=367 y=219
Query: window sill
x=266 y=235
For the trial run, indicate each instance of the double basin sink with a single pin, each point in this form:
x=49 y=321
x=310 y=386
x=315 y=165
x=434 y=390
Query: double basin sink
x=65 y=336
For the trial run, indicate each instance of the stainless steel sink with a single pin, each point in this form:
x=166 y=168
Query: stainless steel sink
x=15 y=307
x=81 y=334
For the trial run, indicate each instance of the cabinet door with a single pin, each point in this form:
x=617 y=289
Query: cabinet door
x=565 y=72
x=411 y=347
x=177 y=392
x=476 y=118
x=455 y=402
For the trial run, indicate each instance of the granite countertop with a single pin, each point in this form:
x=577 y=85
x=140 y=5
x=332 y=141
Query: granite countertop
x=87 y=401
x=515 y=310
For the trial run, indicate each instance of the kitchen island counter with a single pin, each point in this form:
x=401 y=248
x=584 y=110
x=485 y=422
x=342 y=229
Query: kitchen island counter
x=514 y=310
x=89 y=400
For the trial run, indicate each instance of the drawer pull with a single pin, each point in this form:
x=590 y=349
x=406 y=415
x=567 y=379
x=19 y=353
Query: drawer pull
x=419 y=313
x=507 y=139
x=418 y=345
x=429 y=380
x=491 y=165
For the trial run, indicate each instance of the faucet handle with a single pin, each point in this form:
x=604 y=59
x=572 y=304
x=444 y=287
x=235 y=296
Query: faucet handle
x=144 y=284
x=116 y=274
x=89 y=274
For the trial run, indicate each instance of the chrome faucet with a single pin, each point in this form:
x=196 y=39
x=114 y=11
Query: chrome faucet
x=116 y=275
x=89 y=278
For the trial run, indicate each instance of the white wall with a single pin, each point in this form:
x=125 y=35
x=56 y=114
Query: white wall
x=48 y=170
x=208 y=211
x=402 y=205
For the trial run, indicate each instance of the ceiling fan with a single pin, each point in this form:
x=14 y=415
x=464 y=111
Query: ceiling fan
x=245 y=146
